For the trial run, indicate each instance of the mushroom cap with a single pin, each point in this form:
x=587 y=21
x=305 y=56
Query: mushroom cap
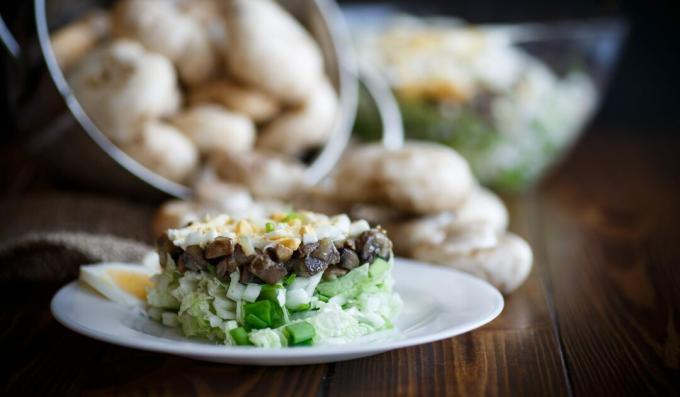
x=213 y=128
x=121 y=86
x=266 y=174
x=303 y=128
x=163 y=27
x=270 y=50
x=424 y=178
x=248 y=101
x=505 y=265
x=165 y=150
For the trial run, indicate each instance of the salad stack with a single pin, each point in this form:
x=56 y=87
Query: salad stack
x=291 y=279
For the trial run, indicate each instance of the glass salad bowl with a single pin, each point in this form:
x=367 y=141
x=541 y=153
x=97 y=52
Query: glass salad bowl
x=510 y=98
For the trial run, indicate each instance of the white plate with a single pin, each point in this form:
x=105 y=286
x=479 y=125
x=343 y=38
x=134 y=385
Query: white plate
x=438 y=303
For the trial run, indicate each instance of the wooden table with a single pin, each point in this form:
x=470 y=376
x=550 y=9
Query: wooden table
x=599 y=314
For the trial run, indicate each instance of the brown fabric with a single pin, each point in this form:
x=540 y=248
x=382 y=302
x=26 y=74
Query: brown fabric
x=46 y=238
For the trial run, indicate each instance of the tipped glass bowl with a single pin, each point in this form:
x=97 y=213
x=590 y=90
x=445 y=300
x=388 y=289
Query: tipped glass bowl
x=510 y=98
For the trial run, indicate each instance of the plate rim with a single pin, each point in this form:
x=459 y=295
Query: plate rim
x=189 y=348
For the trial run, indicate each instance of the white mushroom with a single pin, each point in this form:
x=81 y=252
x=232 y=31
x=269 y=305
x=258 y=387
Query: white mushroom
x=175 y=214
x=354 y=179
x=424 y=178
x=265 y=174
x=483 y=205
x=208 y=13
x=421 y=178
x=71 y=42
x=161 y=26
x=245 y=100
x=122 y=86
x=165 y=150
x=270 y=50
x=303 y=128
x=443 y=230
x=505 y=265
x=215 y=129
x=220 y=197
x=319 y=198
x=224 y=197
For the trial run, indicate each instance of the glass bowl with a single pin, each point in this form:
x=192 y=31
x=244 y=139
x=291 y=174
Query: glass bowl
x=510 y=98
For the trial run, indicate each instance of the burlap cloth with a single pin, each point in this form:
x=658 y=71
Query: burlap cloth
x=45 y=238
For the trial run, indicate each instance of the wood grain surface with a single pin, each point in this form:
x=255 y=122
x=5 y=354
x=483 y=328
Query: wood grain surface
x=599 y=314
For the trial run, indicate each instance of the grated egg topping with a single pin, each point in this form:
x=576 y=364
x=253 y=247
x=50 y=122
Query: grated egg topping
x=289 y=229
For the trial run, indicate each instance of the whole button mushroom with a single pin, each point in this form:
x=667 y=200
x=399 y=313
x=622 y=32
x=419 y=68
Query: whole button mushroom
x=424 y=178
x=223 y=197
x=239 y=98
x=175 y=214
x=165 y=150
x=121 y=86
x=483 y=205
x=208 y=13
x=71 y=42
x=354 y=179
x=213 y=128
x=163 y=27
x=475 y=225
x=478 y=221
x=505 y=265
x=303 y=128
x=270 y=50
x=265 y=174
x=442 y=230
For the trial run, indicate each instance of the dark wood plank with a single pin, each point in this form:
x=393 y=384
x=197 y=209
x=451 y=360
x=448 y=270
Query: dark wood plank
x=484 y=362
x=612 y=223
x=598 y=315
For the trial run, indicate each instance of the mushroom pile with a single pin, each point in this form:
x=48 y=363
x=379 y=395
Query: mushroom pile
x=434 y=210
x=423 y=194
x=235 y=87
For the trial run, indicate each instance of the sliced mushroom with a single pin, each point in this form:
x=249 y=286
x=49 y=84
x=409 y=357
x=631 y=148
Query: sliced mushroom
x=266 y=269
x=372 y=244
x=334 y=272
x=348 y=259
x=165 y=247
x=225 y=267
x=308 y=266
x=280 y=253
x=326 y=252
x=192 y=257
x=220 y=247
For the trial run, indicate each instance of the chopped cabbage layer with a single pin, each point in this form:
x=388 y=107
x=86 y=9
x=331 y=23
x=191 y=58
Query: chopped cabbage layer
x=341 y=310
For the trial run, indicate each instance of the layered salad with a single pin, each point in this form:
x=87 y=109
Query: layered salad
x=291 y=279
x=478 y=90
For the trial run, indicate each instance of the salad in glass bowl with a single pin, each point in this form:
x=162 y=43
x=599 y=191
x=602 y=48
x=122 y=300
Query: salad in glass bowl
x=509 y=98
